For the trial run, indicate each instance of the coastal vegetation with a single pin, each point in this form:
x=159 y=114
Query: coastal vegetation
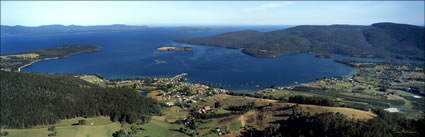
x=16 y=61
x=380 y=40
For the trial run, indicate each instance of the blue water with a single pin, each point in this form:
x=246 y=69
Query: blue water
x=132 y=54
x=145 y=93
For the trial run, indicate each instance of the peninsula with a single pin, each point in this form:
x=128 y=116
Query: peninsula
x=17 y=61
x=379 y=40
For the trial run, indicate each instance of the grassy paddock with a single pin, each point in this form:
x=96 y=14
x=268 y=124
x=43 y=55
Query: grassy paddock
x=157 y=128
x=235 y=126
x=102 y=127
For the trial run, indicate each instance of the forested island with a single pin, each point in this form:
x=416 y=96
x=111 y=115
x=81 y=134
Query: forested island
x=379 y=40
x=17 y=61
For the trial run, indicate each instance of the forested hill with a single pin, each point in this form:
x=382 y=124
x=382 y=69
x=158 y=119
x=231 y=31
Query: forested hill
x=377 y=40
x=30 y=99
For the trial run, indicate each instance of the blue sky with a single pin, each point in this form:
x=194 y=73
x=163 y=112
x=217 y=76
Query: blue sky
x=35 y=13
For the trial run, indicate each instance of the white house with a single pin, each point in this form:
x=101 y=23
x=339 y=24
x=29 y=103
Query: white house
x=170 y=103
x=391 y=110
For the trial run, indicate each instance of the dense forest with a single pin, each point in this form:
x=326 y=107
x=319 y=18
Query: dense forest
x=377 y=40
x=64 y=51
x=30 y=99
x=312 y=100
x=338 y=125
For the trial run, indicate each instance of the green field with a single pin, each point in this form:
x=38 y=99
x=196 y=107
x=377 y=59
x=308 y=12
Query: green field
x=157 y=128
x=235 y=126
x=88 y=131
x=36 y=132
x=102 y=127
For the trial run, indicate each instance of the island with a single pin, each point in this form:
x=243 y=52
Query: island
x=17 y=61
x=173 y=48
x=379 y=40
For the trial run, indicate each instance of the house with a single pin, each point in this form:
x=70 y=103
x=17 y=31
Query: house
x=200 y=90
x=200 y=111
x=170 y=103
x=207 y=108
x=391 y=110
x=417 y=96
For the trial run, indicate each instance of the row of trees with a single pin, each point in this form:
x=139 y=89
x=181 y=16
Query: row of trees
x=312 y=100
x=30 y=99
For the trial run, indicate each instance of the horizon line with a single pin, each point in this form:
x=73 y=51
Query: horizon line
x=183 y=25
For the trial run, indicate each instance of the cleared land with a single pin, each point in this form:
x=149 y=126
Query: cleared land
x=374 y=85
x=102 y=127
x=267 y=111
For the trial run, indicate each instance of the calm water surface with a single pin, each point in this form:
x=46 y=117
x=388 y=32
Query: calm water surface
x=132 y=54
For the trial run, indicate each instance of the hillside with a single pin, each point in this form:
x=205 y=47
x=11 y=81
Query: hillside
x=30 y=99
x=383 y=40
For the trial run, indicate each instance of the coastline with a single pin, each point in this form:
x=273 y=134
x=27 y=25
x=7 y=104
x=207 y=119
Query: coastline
x=29 y=64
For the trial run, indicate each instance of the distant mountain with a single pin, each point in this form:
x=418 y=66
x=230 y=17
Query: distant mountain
x=186 y=30
x=52 y=29
x=384 y=40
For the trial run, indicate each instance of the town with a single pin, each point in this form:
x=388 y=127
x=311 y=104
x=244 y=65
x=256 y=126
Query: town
x=393 y=87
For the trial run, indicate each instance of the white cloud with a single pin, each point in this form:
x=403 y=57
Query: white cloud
x=268 y=6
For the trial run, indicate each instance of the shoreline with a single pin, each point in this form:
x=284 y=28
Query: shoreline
x=29 y=64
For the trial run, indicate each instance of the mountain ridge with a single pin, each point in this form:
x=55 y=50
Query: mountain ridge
x=379 y=40
x=57 y=28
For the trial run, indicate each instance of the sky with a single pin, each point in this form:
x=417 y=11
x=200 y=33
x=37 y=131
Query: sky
x=36 y=13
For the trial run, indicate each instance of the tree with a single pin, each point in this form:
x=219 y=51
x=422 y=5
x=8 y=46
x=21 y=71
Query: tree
x=4 y=133
x=217 y=104
x=52 y=134
x=120 y=133
x=52 y=128
x=131 y=118
x=82 y=122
